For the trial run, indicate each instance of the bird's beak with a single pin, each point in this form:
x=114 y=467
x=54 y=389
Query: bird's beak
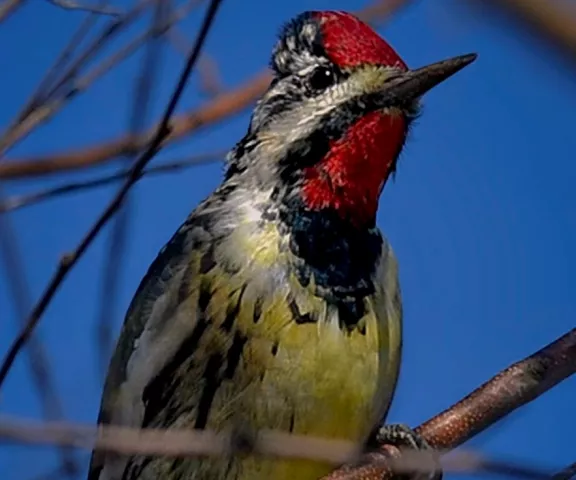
x=410 y=85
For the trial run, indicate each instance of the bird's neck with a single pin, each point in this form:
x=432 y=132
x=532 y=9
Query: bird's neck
x=349 y=178
x=339 y=254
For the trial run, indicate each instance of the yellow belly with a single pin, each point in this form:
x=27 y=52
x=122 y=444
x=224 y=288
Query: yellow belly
x=319 y=382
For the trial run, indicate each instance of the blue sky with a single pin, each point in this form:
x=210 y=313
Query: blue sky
x=480 y=214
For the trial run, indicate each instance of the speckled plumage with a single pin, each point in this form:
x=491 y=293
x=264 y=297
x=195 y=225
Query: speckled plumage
x=276 y=305
x=226 y=334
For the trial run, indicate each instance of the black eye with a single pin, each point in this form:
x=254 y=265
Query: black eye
x=321 y=78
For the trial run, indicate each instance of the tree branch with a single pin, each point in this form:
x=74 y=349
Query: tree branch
x=19 y=201
x=510 y=389
x=70 y=260
x=553 y=20
x=8 y=7
x=221 y=107
x=68 y=87
x=97 y=9
x=515 y=386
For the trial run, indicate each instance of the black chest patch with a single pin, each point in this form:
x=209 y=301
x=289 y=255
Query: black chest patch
x=340 y=257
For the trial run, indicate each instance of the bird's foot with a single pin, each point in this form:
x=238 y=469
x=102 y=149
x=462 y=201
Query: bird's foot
x=403 y=437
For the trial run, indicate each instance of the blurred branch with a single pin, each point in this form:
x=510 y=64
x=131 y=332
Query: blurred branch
x=567 y=473
x=555 y=20
x=72 y=87
x=19 y=201
x=178 y=41
x=44 y=92
x=7 y=7
x=221 y=107
x=68 y=261
x=210 y=81
x=70 y=5
x=39 y=361
x=191 y=443
x=111 y=276
x=62 y=59
x=510 y=389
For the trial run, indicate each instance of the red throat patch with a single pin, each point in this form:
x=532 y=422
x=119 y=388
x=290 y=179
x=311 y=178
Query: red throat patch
x=351 y=176
x=349 y=42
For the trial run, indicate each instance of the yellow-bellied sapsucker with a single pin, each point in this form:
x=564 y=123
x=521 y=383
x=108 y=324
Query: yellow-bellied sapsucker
x=276 y=305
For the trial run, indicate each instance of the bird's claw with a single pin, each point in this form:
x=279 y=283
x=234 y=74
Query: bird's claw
x=402 y=436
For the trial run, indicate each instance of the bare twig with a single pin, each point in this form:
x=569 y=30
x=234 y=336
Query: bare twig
x=7 y=7
x=39 y=361
x=191 y=443
x=567 y=473
x=210 y=81
x=97 y=9
x=221 y=107
x=49 y=108
x=178 y=41
x=515 y=386
x=70 y=260
x=119 y=235
x=382 y=10
x=19 y=201
x=16 y=131
x=512 y=388
x=41 y=92
x=553 y=20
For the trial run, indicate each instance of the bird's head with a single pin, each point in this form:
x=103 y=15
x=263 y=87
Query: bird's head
x=330 y=128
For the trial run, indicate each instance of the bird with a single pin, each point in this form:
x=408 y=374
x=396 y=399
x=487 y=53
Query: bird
x=276 y=304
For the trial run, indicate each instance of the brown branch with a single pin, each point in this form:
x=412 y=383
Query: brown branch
x=70 y=5
x=515 y=386
x=180 y=443
x=510 y=389
x=111 y=275
x=38 y=359
x=50 y=84
x=553 y=20
x=19 y=201
x=68 y=261
x=220 y=108
x=566 y=473
x=8 y=7
x=72 y=88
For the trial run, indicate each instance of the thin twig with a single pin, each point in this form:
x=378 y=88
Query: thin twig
x=210 y=81
x=181 y=443
x=16 y=131
x=178 y=41
x=19 y=201
x=220 y=108
x=48 y=109
x=68 y=261
x=99 y=10
x=555 y=21
x=39 y=361
x=513 y=387
x=8 y=7
x=41 y=92
x=119 y=235
x=567 y=473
